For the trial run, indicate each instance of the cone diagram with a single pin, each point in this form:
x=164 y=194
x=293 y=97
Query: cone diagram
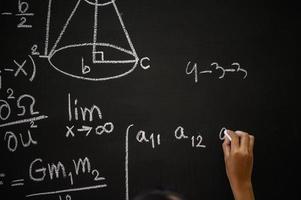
x=94 y=43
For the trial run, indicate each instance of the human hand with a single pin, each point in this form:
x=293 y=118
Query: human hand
x=238 y=155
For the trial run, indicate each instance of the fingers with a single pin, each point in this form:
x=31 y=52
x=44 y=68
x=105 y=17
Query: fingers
x=251 y=145
x=239 y=141
x=235 y=140
x=226 y=148
x=244 y=140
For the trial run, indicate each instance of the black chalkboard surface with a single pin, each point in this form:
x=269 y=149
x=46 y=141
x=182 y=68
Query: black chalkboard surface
x=104 y=99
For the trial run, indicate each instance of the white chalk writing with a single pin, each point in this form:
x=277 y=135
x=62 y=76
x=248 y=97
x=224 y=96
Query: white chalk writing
x=39 y=171
x=214 y=69
x=23 y=14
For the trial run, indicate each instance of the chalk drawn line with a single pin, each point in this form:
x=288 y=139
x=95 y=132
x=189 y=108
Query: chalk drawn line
x=6 y=13
x=47 y=28
x=127 y=195
x=67 y=190
x=65 y=27
x=135 y=61
x=23 y=121
x=99 y=4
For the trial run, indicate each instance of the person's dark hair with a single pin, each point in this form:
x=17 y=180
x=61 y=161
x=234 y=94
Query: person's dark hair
x=159 y=195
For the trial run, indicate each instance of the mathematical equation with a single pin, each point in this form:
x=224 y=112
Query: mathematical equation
x=23 y=13
x=26 y=68
x=82 y=120
x=214 y=69
x=84 y=115
x=24 y=107
x=40 y=171
x=154 y=140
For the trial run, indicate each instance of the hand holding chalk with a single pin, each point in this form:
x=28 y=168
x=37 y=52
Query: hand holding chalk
x=223 y=135
x=227 y=135
x=238 y=155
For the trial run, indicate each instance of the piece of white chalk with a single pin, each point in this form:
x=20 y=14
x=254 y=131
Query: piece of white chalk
x=227 y=135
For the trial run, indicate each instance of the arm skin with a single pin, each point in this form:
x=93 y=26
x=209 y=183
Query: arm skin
x=238 y=155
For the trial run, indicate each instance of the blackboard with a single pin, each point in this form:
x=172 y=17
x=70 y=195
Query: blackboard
x=106 y=99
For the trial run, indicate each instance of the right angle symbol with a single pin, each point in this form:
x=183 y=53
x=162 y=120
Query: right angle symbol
x=93 y=43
